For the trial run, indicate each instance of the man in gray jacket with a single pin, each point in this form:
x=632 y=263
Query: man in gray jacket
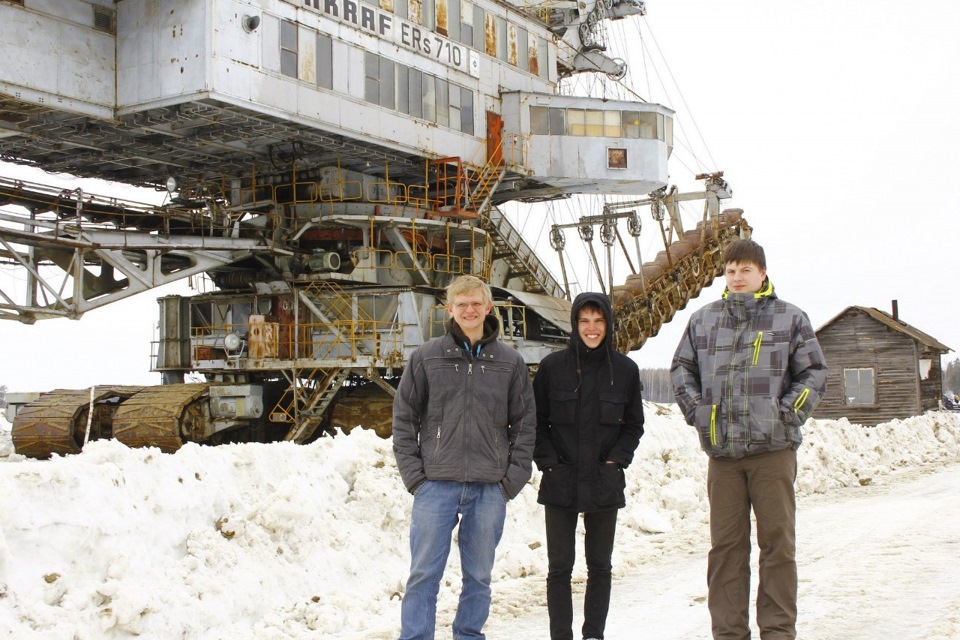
x=464 y=425
x=747 y=374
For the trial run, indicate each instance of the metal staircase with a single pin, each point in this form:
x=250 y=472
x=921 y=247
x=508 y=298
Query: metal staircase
x=308 y=397
x=510 y=246
x=315 y=402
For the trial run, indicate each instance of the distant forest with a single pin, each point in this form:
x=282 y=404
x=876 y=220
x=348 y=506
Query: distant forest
x=951 y=377
x=656 y=385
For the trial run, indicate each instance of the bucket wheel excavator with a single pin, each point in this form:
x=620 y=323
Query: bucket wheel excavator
x=326 y=168
x=293 y=360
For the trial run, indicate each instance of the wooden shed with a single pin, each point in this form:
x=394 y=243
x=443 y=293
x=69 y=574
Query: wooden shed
x=880 y=368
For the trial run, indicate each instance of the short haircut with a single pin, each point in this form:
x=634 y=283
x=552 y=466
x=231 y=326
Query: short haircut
x=592 y=306
x=464 y=285
x=741 y=251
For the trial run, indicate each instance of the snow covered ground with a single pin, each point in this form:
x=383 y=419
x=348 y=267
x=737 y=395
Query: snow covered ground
x=291 y=542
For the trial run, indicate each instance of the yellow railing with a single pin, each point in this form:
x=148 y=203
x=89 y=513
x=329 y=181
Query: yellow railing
x=339 y=339
x=439 y=262
x=512 y=319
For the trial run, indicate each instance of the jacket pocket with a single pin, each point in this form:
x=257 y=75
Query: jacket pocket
x=558 y=485
x=612 y=485
x=792 y=429
x=612 y=407
x=491 y=386
x=430 y=446
x=711 y=426
x=771 y=427
x=563 y=406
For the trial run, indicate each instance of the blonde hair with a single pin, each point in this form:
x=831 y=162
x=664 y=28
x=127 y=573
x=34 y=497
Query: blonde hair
x=463 y=285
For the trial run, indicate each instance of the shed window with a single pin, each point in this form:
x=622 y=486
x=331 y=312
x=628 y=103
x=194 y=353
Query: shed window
x=859 y=386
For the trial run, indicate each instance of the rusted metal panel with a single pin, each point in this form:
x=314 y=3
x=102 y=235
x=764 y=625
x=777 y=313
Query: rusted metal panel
x=387 y=5
x=512 y=44
x=490 y=34
x=494 y=138
x=533 y=59
x=442 y=17
x=415 y=12
x=264 y=338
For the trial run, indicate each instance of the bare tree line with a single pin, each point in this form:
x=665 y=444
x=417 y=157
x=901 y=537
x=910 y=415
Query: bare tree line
x=656 y=385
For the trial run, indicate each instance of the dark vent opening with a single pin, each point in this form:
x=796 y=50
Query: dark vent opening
x=104 y=20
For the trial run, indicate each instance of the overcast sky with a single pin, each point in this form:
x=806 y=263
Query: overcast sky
x=836 y=124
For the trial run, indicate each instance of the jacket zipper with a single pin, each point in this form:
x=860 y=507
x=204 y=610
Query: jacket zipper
x=756 y=347
x=798 y=404
x=468 y=411
x=731 y=375
x=713 y=425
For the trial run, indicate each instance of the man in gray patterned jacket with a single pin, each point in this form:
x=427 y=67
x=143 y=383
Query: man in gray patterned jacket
x=747 y=374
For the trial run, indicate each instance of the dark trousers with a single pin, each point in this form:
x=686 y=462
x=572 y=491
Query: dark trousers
x=765 y=483
x=600 y=528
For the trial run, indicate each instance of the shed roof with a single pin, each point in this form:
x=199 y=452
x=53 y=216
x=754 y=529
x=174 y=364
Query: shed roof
x=897 y=325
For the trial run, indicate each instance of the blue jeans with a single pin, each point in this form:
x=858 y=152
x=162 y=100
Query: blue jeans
x=481 y=509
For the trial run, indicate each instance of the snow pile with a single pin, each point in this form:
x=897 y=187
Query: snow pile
x=286 y=542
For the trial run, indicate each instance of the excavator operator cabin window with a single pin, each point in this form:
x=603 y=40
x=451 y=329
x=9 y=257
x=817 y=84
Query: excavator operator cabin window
x=558 y=121
x=631 y=124
x=453 y=20
x=611 y=124
x=576 y=122
x=648 y=126
x=594 y=123
x=324 y=61
x=539 y=121
x=443 y=102
x=288 y=48
x=466 y=111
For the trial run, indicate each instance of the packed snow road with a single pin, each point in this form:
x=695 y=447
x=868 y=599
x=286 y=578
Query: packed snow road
x=878 y=561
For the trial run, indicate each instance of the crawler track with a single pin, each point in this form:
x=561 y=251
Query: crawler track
x=56 y=423
x=162 y=416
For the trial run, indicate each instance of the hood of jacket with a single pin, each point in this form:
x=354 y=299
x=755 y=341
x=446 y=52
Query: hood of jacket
x=602 y=301
x=491 y=331
x=766 y=291
x=742 y=305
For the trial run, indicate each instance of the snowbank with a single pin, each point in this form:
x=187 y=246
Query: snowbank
x=285 y=542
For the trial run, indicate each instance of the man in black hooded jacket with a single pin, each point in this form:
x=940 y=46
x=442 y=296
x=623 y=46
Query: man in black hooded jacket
x=589 y=422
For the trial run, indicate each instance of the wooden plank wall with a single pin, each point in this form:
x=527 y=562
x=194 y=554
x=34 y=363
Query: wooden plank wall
x=932 y=388
x=855 y=340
